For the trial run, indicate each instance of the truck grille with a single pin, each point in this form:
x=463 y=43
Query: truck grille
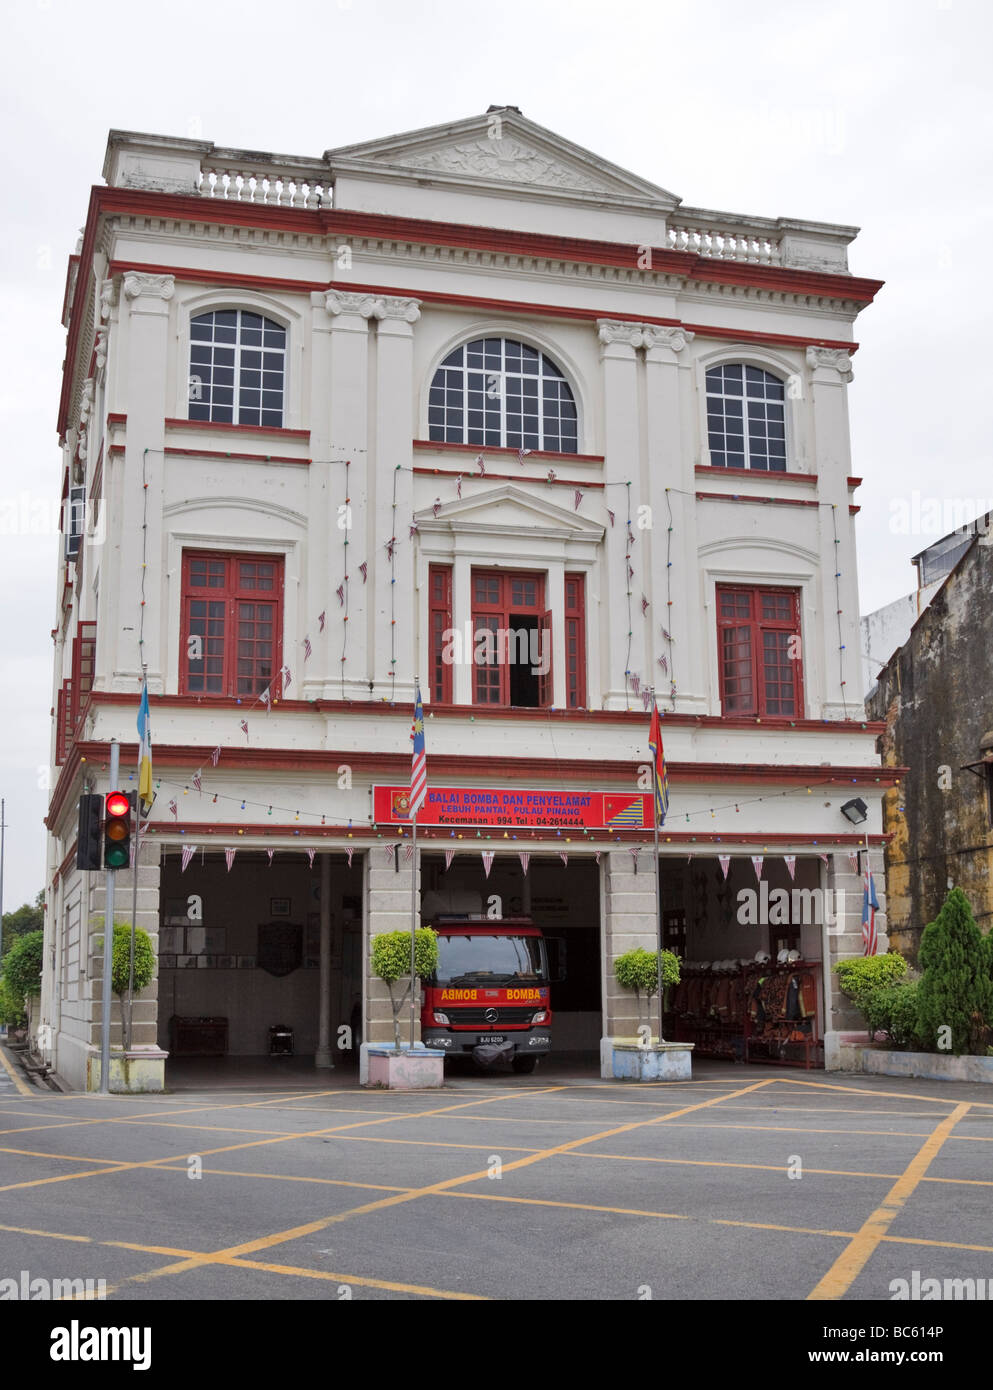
x=476 y=1018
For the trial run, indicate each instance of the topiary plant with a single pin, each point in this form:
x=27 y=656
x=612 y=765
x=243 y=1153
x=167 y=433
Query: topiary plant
x=144 y=970
x=639 y=970
x=956 y=990
x=391 y=962
x=864 y=975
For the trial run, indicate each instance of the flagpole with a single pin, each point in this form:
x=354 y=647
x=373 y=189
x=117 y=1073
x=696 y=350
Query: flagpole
x=413 y=937
x=658 y=893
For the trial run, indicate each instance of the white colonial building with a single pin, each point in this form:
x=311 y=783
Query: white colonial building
x=325 y=420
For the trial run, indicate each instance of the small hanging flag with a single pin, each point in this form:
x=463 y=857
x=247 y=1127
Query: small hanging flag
x=187 y=854
x=487 y=861
x=790 y=864
x=449 y=856
x=436 y=505
x=635 y=851
x=522 y=455
x=824 y=857
x=630 y=538
x=413 y=530
x=630 y=572
x=284 y=671
x=364 y=570
x=133 y=850
x=480 y=465
x=665 y=634
x=229 y=855
x=458 y=486
x=349 y=852
x=550 y=476
x=853 y=859
x=244 y=728
x=270 y=854
x=635 y=683
x=663 y=663
x=391 y=853
x=310 y=857
x=610 y=514
x=564 y=856
x=525 y=859
x=577 y=497
x=307 y=649
x=340 y=595
x=757 y=865
x=644 y=605
x=174 y=809
x=408 y=853
x=390 y=544
x=598 y=856
x=215 y=757
x=322 y=618
x=725 y=862
x=266 y=698
x=198 y=780
x=646 y=698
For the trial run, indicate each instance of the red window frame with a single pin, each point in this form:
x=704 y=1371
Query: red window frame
x=439 y=621
x=575 y=641
x=234 y=597
x=83 y=656
x=752 y=623
x=494 y=610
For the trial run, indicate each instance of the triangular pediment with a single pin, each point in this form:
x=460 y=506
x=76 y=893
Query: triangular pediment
x=511 y=510
x=499 y=149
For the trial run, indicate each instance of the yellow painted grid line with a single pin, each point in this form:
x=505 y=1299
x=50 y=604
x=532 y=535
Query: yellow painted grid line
x=853 y=1259
x=20 y=1085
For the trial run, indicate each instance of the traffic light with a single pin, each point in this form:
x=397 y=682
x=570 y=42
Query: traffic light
x=88 y=836
x=117 y=831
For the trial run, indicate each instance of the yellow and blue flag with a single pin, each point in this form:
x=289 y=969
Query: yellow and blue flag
x=145 y=794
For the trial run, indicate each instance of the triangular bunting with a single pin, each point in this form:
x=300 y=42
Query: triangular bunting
x=188 y=852
x=270 y=853
x=725 y=862
x=790 y=861
x=563 y=856
x=757 y=860
x=310 y=857
x=488 y=857
x=229 y=855
x=449 y=856
x=525 y=859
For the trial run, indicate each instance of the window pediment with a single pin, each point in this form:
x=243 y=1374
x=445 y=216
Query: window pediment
x=508 y=510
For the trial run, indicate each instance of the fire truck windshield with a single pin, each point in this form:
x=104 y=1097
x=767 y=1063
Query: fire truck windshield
x=493 y=959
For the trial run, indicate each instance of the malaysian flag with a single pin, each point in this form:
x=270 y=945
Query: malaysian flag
x=869 y=906
x=660 y=777
x=419 y=762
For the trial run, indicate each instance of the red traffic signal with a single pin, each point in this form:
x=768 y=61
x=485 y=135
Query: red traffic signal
x=117 y=831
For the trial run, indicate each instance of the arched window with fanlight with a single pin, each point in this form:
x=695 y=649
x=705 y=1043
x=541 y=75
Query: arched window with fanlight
x=497 y=392
x=237 y=368
x=746 y=418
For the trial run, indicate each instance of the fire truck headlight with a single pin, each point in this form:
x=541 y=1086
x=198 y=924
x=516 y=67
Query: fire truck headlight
x=540 y=1017
x=443 y=1019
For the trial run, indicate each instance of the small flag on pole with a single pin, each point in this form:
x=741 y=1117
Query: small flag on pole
x=244 y=727
x=869 y=908
x=419 y=763
x=145 y=794
x=660 y=776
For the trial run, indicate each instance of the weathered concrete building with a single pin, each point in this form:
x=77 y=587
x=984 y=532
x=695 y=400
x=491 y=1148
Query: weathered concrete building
x=936 y=696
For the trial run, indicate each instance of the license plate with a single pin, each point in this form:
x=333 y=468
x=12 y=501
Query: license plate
x=491 y=1037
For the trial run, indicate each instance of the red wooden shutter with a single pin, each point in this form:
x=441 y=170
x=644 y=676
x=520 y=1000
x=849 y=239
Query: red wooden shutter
x=545 y=686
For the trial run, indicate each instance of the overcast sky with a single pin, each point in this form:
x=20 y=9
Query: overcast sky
x=870 y=113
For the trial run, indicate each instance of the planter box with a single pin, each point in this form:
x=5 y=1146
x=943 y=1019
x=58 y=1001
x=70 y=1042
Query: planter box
x=406 y=1070
x=141 y=1069
x=660 y=1062
x=938 y=1066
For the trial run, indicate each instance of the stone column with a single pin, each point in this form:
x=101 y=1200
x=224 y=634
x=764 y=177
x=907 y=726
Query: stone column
x=830 y=371
x=145 y=1016
x=388 y=900
x=845 y=942
x=349 y=391
x=619 y=342
x=323 y=486
x=630 y=922
x=322 y=1057
x=670 y=465
x=394 y=607
x=146 y=373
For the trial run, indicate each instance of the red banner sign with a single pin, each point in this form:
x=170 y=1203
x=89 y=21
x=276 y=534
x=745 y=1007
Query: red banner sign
x=481 y=806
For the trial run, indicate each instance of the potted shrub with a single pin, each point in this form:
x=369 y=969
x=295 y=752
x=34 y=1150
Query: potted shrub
x=646 y=1059
x=400 y=1067
x=131 y=1068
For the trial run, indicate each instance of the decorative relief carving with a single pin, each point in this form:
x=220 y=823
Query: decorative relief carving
x=837 y=359
x=101 y=350
x=137 y=283
x=657 y=336
x=504 y=159
x=108 y=298
x=370 y=306
x=614 y=331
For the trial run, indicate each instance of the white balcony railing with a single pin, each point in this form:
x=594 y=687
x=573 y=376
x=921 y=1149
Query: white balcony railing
x=271 y=187
x=725 y=243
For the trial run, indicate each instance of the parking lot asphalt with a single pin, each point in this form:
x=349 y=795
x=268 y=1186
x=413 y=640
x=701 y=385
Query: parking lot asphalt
x=744 y=1183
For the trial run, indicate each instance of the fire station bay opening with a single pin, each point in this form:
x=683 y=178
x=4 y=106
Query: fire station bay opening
x=563 y=900
x=239 y=954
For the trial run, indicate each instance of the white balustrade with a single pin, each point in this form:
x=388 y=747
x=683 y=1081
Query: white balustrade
x=725 y=243
x=269 y=187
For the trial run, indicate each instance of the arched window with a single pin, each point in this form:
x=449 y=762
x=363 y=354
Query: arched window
x=237 y=368
x=746 y=418
x=501 y=393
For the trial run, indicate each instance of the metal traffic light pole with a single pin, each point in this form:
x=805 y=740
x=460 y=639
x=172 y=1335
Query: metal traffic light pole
x=108 y=943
